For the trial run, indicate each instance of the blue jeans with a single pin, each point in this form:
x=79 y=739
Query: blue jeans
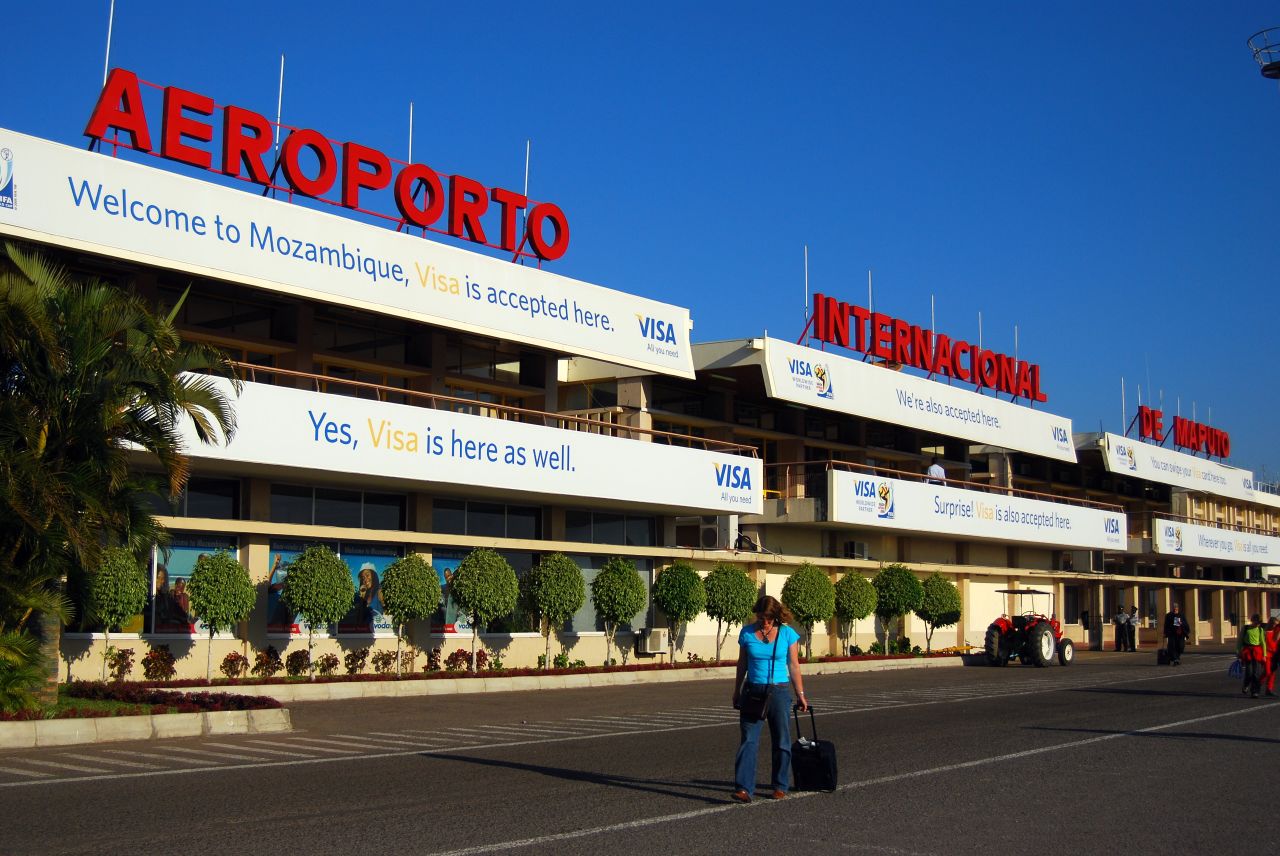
x=779 y=718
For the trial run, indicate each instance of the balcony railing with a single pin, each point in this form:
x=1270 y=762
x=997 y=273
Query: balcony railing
x=809 y=479
x=606 y=421
x=1140 y=524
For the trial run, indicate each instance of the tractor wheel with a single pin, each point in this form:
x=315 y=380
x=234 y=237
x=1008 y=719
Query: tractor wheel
x=995 y=647
x=1040 y=644
x=1066 y=652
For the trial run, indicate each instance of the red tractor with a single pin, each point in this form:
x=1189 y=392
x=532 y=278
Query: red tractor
x=1028 y=635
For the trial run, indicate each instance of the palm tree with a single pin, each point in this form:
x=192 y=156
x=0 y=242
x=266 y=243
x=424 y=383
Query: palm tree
x=88 y=372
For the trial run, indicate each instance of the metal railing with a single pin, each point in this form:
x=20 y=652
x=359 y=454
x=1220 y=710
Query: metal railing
x=809 y=479
x=1140 y=524
x=605 y=421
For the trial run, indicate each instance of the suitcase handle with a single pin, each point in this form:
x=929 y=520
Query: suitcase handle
x=813 y=723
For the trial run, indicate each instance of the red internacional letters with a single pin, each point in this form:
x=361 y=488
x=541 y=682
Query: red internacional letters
x=894 y=340
x=247 y=140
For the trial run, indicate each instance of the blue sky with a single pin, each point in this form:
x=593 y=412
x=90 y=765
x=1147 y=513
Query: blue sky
x=1104 y=176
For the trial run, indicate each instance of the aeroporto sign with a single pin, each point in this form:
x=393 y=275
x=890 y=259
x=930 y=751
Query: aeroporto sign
x=420 y=194
x=894 y=340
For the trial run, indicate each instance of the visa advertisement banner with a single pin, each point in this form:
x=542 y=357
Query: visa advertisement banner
x=823 y=379
x=324 y=432
x=1174 y=539
x=1166 y=466
x=55 y=193
x=931 y=509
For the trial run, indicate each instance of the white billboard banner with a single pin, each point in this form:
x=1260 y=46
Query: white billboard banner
x=1173 y=539
x=931 y=509
x=822 y=379
x=1166 y=466
x=105 y=205
x=323 y=432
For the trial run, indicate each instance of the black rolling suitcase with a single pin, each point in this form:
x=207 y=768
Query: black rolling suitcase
x=813 y=762
x=1162 y=657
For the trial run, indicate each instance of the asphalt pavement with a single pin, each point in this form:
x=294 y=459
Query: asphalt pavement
x=1111 y=752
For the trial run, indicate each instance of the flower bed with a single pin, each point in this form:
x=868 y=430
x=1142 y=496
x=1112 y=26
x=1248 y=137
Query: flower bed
x=137 y=699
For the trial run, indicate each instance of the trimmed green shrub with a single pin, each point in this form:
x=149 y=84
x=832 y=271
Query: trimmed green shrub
x=319 y=588
x=939 y=606
x=679 y=593
x=898 y=591
x=617 y=593
x=221 y=595
x=553 y=590
x=484 y=587
x=855 y=600
x=410 y=592
x=811 y=597
x=730 y=596
x=116 y=591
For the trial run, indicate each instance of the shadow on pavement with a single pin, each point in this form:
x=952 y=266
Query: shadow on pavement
x=1230 y=693
x=654 y=786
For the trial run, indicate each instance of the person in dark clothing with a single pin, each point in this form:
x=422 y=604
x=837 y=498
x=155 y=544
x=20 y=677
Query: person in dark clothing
x=1175 y=634
x=1134 y=620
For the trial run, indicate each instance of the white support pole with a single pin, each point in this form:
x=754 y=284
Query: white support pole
x=106 y=62
x=806 y=284
x=1124 y=412
x=410 y=158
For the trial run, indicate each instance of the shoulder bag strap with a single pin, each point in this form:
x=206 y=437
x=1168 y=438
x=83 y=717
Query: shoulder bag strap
x=777 y=634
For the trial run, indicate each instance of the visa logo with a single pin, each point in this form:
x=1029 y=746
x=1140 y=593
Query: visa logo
x=864 y=487
x=1060 y=435
x=1111 y=527
x=734 y=476
x=657 y=329
x=800 y=367
x=1168 y=532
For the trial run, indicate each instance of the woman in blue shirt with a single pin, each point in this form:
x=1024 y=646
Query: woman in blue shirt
x=768 y=654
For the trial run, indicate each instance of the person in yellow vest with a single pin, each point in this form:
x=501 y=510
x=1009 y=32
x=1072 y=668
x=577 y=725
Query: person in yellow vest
x=1273 y=642
x=1251 y=649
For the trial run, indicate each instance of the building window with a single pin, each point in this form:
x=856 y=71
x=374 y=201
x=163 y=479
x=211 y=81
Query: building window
x=1206 y=604
x=599 y=527
x=169 y=611
x=1071 y=605
x=217 y=499
x=323 y=506
x=488 y=519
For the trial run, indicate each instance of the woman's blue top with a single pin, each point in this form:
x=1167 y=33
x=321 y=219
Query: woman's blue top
x=758 y=654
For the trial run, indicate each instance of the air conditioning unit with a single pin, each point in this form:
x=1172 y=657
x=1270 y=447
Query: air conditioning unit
x=654 y=640
x=718 y=532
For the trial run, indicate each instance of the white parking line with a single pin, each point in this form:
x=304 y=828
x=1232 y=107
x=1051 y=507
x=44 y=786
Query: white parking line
x=115 y=761
x=543 y=840
x=257 y=751
x=217 y=756
x=379 y=742
x=33 y=773
x=60 y=766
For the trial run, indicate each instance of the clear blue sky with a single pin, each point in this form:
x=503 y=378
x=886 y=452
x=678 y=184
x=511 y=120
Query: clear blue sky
x=1106 y=176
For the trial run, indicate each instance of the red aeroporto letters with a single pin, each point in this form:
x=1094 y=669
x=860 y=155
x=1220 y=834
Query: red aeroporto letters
x=894 y=340
x=420 y=195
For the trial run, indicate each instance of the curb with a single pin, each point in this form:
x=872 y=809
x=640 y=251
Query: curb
x=69 y=732
x=343 y=691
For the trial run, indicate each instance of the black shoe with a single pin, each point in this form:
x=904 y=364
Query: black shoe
x=1269 y=694
x=1255 y=695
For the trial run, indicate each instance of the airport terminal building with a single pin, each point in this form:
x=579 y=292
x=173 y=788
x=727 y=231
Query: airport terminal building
x=402 y=394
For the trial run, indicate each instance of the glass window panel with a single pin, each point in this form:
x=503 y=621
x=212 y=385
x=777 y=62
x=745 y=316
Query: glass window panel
x=291 y=504
x=384 y=511
x=337 y=507
x=486 y=519
x=577 y=526
x=608 y=528
x=449 y=517
x=524 y=522
x=214 y=498
x=640 y=531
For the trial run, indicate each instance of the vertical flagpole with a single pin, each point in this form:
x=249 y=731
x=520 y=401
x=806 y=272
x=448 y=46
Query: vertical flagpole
x=106 y=63
x=410 y=158
x=806 y=285
x=979 y=329
x=1124 y=411
x=869 y=306
x=524 y=212
x=279 y=117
